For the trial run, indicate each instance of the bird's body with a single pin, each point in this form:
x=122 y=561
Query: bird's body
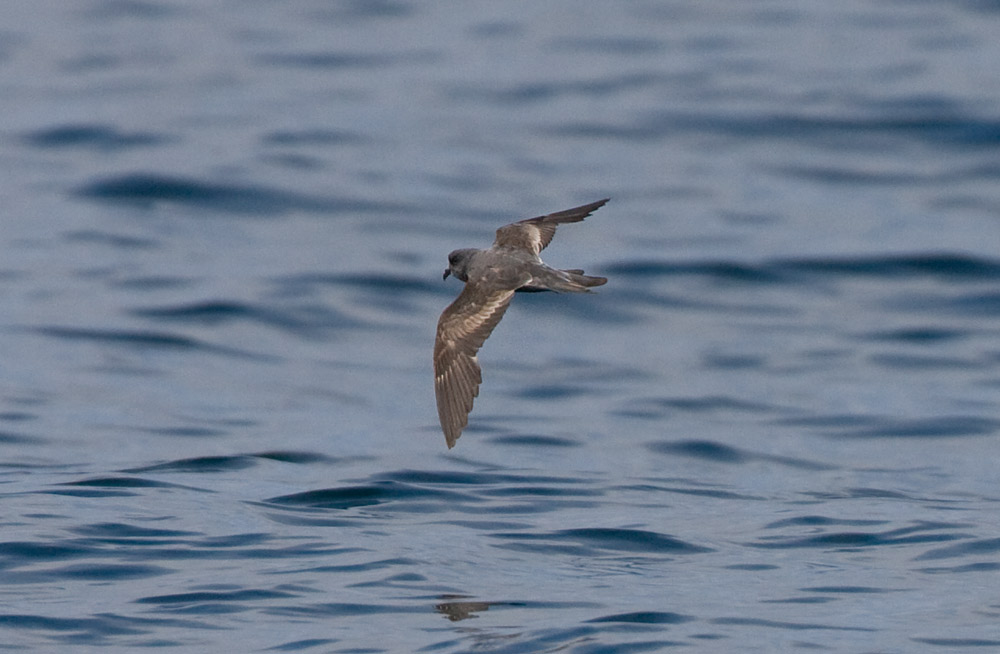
x=491 y=278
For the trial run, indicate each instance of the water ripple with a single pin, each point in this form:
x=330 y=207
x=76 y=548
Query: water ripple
x=147 y=189
x=596 y=541
x=91 y=136
x=794 y=271
x=141 y=339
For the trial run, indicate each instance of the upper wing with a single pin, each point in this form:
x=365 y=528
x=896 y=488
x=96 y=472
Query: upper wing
x=461 y=331
x=534 y=234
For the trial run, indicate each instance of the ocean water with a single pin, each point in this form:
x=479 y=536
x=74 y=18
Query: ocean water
x=223 y=232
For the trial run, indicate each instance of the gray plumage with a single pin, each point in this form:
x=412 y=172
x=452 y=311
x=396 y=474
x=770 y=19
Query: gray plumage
x=491 y=278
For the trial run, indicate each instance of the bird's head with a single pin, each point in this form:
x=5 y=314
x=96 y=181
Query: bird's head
x=458 y=264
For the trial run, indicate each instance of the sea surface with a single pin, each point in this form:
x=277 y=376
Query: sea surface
x=223 y=229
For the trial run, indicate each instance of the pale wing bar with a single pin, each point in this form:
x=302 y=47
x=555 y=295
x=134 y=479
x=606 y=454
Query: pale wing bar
x=534 y=234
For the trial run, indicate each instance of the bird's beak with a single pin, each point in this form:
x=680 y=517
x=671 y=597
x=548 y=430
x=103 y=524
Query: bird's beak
x=447 y=271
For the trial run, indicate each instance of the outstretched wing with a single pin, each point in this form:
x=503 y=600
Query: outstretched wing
x=534 y=234
x=461 y=331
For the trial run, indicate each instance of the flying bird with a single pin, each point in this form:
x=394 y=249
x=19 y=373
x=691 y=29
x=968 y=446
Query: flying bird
x=491 y=278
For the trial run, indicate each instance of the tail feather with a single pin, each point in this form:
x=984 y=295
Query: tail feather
x=585 y=280
x=562 y=281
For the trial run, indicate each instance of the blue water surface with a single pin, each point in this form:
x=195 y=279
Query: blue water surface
x=221 y=247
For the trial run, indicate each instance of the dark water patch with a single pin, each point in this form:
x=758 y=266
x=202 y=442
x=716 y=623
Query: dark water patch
x=708 y=404
x=615 y=45
x=319 y=137
x=341 y=610
x=915 y=362
x=977 y=547
x=141 y=339
x=535 y=440
x=147 y=189
x=107 y=573
x=721 y=270
x=525 y=93
x=846 y=589
x=821 y=521
x=116 y=241
x=918 y=335
x=209 y=313
x=17 y=416
x=550 y=392
x=645 y=617
x=794 y=626
x=869 y=493
x=717 y=361
x=90 y=136
x=952 y=129
x=938 y=265
x=288 y=456
x=293 y=160
x=694 y=490
x=124 y=337
x=959 y=642
x=801 y=600
x=116 y=531
x=374 y=494
x=980 y=304
x=245 y=595
x=99 y=629
x=302 y=645
x=539 y=491
x=487 y=525
x=595 y=540
x=405 y=579
x=916 y=535
x=480 y=479
x=363 y=10
x=235 y=540
x=328 y=60
x=708 y=450
x=121 y=482
x=852 y=177
x=17 y=438
x=577 y=639
x=719 y=453
x=446 y=477
x=872 y=426
x=297 y=516
x=209 y=464
x=337 y=498
x=944 y=266
x=835 y=420
x=974 y=568
x=145 y=283
x=17 y=553
x=368 y=282
x=367 y=566
x=91 y=493
x=933 y=427
x=186 y=432
x=304 y=320
x=143 y=10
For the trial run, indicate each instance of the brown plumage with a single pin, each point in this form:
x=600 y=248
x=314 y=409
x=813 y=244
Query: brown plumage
x=491 y=278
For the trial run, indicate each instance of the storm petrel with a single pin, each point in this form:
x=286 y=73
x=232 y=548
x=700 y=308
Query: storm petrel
x=491 y=278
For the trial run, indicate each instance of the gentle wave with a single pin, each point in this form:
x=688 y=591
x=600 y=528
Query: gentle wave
x=146 y=189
